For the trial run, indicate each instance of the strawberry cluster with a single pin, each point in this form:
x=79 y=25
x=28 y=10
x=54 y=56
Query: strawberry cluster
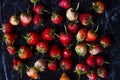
x=77 y=38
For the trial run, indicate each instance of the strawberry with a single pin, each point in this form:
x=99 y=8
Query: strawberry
x=42 y=47
x=52 y=65
x=55 y=52
x=81 y=35
x=99 y=7
x=99 y=60
x=91 y=35
x=37 y=20
x=81 y=49
x=38 y=9
x=56 y=18
x=67 y=53
x=14 y=20
x=17 y=64
x=64 y=77
x=32 y=73
x=7 y=27
x=64 y=4
x=86 y=19
x=91 y=61
x=48 y=34
x=66 y=64
x=11 y=50
x=32 y=38
x=10 y=38
x=92 y=75
x=105 y=41
x=24 y=52
x=102 y=72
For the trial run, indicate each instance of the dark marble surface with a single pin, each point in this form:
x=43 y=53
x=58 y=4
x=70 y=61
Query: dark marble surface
x=109 y=24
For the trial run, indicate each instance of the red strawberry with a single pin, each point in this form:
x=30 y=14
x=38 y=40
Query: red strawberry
x=14 y=20
x=91 y=36
x=99 y=7
x=38 y=9
x=99 y=60
x=11 y=50
x=102 y=72
x=32 y=38
x=52 y=65
x=56 y=18
x=67 y=53
x=105 y=41
x=48 y=34
x=42 y=47
x=55 y=52
x=64 y=4
x=17 y=65
x=66 y=64
x=92 y=75
x=91 y=61
x=81 y=35
x=7 y=28
x=24 y=52
x=73 y=27
x=81 y=49
x=86 y=19
x=10 y=38
x=37 y=20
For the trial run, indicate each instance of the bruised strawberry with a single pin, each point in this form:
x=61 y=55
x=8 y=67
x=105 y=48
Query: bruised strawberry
x=56 y=18
x=37 y=20
x=42 y=47
x=92 y=75
x=66 y=64
x=64 y=4
x=14 y=20
x=11 y=50
x=99 y=60
x=52 y=65
x=102 y=72
x=91 y=61
x=48 y=34
x=24 y=52
x=81 y=49
x=55 y=52
x=7 y=28
x=105 y=41
x=38 y=9
x=86 y=19
x=67 y=53
x=99 y=7
x=81 y=35
x=17 y=65
x=10 y=38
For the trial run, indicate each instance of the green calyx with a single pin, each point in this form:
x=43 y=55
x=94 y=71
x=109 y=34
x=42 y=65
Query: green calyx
x=41 y=50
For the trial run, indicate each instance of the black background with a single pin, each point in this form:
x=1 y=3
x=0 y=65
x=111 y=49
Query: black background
x=109 y=24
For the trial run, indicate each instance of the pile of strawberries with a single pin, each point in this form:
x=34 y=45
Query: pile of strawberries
x=77 y=38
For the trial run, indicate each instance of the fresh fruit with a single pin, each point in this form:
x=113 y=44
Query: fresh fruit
x=17 y=64
x=52 y=65
x=11 y=50
x=64 y=77
x=92 y=75
x=7 y=28
x=48 y=34
x=67 y=53
x=105 y=41
x=86 y=19
x=81 y=49
x=81 y=35
x=102 y=72
x=24 y=52
x=91 y=61
x=99 y=60
x=99 y=7
x=37 y=20
x=56 y=18
x=64 y=4
x=38 y=9
x=14 y=20
x=42 y=47
x=55 y=52
x=40 y=64
x=32 y=73
x=66 y=64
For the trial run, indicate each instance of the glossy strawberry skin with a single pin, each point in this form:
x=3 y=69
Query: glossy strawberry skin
x=37 y=20
x=11 y=50
x=52 y=66
x=64 y=4
x=56 y=18
x=7 y=28
x=17 y=64
x=105 y=41
x=92 y=75
x=102 y=72
x=99 y=60
x=38 y=9
x=91 y=61
x=67 y=53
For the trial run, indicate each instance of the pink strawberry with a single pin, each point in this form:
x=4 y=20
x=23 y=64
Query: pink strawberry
x=64 y=4
x=37 y=20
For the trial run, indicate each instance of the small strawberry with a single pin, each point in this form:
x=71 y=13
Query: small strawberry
x=52 y=65
x=64 y=77
x=92 y=75
x=81 y=35
x=105 y=41
x=99 y=7
x=37 y=20
x=64 y=4
x=81 y=49
x=67 y=53
x=38 y=9
x=42 y=47
x=56 y=18
x=91 y=61
x=48 y=34
x=11 y=50
x=100 y=60
x=55 y=52
x=7 y=28
x=24 y=52
x=102 y=72
x=17 y=65
x=86 y=19
x=14 y=20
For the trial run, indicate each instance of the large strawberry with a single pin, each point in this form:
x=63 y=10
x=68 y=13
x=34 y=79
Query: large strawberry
x=17 y=64
x=38 y=9
x=24 y=52
x=11 y=50
x=37 y=20
x=92 y=75
x=64 y=4
x=102 y=72
x=105 y=41
x=7 y=27
x=52 y=65
x=14 y=20
x=91 y=61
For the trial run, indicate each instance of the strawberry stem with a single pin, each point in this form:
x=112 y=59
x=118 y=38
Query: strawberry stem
x=106 y=62
x=78 y=5
x=46 y=11
x=65 y=29
x=97 y=28
x=1 y=28
x=56 y=35
x=20 y=74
